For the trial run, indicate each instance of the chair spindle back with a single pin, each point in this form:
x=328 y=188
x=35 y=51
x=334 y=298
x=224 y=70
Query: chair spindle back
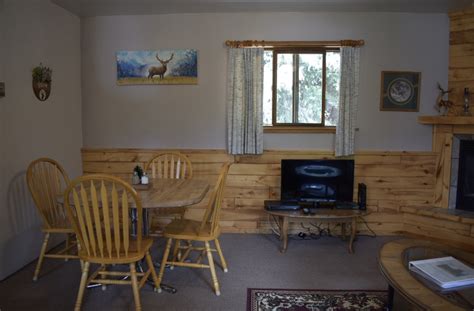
x=213 y=209
x=99 y=209
x=47 y=180
x=170 y=165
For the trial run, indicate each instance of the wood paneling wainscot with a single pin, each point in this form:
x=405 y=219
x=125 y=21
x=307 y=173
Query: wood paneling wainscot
x=394 y=180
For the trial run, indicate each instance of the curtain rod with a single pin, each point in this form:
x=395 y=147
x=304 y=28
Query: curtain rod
x=274 y=44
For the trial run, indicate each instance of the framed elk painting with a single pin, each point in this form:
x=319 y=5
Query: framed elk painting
x=157 y=67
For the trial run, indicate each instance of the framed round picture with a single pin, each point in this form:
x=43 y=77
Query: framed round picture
x=400 y=91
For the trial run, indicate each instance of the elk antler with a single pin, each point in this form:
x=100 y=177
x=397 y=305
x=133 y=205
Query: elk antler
x=164 y=61
x=442 y=90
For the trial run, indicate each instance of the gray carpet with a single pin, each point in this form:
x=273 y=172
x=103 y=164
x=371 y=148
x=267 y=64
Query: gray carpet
x=254 y=261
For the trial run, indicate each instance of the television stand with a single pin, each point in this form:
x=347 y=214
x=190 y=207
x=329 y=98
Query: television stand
x=342 y=216
x=277 y=205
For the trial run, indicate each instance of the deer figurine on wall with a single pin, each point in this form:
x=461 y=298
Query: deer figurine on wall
x=159 y=71
x=443 y=105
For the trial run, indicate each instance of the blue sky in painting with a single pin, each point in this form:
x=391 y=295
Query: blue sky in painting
x=137 y=63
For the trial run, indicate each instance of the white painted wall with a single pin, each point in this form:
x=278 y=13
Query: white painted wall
x=34 y=31
x=194 y=116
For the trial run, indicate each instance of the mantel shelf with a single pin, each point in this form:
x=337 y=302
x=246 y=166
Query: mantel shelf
x=446 y=120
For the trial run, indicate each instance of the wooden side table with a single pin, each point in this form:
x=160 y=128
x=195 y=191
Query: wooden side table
x=343 y=216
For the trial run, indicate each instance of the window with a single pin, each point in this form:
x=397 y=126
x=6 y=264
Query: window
x=301 y=87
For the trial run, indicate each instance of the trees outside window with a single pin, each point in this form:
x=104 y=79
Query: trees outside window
x=301 y=87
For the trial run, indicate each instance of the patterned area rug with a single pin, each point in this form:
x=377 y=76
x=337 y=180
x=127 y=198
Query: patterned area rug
x=259 y=299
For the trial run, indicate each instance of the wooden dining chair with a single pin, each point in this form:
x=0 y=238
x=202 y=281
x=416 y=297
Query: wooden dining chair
x=46 y=181
x=98 y=207
x=206 y=230
x=170 y=165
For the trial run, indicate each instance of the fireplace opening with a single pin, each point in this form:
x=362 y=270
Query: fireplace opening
x=465 y=184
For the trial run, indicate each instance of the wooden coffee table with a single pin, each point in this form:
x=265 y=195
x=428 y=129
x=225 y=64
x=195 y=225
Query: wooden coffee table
x=343 y=216
x=393 y=261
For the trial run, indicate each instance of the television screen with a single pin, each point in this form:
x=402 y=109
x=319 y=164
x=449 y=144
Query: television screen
x=317 y=180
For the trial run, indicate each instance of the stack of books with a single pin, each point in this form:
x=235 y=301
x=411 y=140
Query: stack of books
x=446 y=272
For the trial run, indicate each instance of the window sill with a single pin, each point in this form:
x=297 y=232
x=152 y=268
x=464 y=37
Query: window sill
x=298 y=129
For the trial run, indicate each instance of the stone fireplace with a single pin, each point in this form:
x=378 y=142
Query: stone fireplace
x=452 y=135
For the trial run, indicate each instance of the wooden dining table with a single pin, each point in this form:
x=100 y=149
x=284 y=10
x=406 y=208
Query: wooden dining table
x=165 y=193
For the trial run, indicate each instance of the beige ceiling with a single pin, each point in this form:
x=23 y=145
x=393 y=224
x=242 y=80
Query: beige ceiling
x=86 y=8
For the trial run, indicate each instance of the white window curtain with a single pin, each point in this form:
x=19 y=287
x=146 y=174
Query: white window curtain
x=349 y=94
x=244 y=101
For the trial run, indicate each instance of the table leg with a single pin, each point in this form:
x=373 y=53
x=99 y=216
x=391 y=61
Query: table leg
x=343 y=231
x=164 y=287
x=284 y=233
x=146 y=227
x=280 y=224
x=134 y=219
x=391 y=293
x=353 y=234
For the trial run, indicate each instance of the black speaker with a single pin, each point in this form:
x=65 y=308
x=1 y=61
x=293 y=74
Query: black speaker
x=362 y=196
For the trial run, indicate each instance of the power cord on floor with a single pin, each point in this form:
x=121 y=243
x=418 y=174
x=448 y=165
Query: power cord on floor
x=309 y=234
x=277 y=230
x=321 y=230
x=373 y=234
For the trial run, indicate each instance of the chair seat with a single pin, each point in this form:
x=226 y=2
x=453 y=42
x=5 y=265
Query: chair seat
x=185 y=229
x=133 y=254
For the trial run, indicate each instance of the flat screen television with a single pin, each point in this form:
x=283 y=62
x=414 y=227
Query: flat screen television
x=317 y=180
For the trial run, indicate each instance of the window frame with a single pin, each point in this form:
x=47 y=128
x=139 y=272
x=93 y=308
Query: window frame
x=294 y=126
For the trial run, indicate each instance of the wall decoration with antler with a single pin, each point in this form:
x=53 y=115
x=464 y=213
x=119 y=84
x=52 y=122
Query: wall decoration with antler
x=443 y=105
x=157 y=67
x=42 y=77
